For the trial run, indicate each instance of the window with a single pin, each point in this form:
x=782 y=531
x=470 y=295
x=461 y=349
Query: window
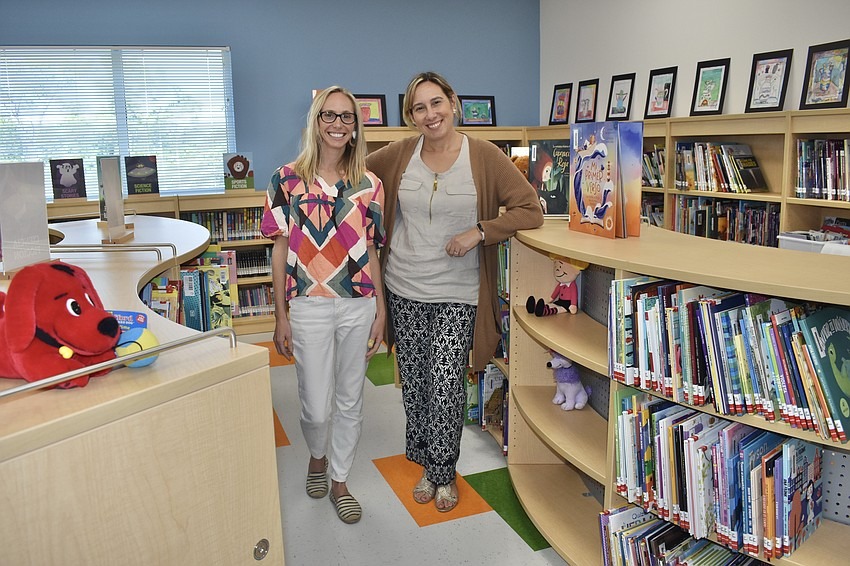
x=82 y=102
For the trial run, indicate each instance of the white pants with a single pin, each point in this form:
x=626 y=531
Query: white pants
x=329 y=342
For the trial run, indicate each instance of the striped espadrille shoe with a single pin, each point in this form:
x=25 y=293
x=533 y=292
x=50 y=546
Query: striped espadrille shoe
x=317 y=483
x=347 y=508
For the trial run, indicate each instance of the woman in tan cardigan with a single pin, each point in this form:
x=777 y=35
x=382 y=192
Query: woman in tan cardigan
x=443 y=192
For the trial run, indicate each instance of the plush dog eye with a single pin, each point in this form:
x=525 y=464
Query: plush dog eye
x=89 y=299
x=73 y=307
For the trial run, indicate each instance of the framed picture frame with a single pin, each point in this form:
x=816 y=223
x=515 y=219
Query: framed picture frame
x=477 y=110
x=620 y=97
x=710 y=87
x=825 y=84
x=769 y=81
x=659 y=92
x=586 y=100
x=373 y=109
x=559 y=112
x=401 y=110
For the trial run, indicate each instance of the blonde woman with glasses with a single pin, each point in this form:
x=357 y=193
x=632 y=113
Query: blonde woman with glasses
x=324 y=213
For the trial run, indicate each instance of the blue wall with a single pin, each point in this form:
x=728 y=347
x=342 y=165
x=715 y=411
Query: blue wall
x=282 y=49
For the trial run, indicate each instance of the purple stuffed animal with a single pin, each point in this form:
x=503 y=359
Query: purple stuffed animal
x=570 y=393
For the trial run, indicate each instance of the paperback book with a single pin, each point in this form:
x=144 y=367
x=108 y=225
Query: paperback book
x=605 y=178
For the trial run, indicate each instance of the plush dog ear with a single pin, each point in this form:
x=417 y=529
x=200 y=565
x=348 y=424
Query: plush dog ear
x=20 y=307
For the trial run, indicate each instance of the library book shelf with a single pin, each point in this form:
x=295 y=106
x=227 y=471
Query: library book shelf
x=558 y=459
x=173 y=463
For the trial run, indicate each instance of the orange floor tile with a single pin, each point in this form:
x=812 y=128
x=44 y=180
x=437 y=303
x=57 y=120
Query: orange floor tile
x=275 y=359
x=402 y=474
x=280 y=438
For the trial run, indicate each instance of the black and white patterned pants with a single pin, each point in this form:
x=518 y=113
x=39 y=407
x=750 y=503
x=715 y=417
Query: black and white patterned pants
x=432 y=345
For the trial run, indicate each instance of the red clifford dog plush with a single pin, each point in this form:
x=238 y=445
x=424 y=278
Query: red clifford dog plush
x=52 y=321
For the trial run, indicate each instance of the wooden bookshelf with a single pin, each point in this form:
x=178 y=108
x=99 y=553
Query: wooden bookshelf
x=543 y=446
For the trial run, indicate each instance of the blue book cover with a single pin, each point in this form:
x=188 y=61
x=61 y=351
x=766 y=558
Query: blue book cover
x=192 y=298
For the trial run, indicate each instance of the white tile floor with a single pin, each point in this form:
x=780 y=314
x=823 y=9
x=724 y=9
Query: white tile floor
x=313 y=535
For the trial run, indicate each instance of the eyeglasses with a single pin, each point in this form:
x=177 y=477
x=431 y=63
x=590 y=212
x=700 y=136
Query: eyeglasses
x=329 y=117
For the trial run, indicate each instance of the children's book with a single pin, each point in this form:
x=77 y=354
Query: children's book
x=218 y=299
x=192 y=298
x=142 y=175
x=238 y=170
x=549 y=174
x=747 y=170
x=68 y=177
x=605 y=178
x=827 y=334
x=802 y=491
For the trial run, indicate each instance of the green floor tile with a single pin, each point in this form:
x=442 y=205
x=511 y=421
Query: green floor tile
x=496 y=489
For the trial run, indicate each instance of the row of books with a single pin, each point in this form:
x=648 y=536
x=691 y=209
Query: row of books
x=755 y=491
x=718 y=167
x=631 y=536
x=822 y=169
x=254 y=262
x=256 y=300
x=224 y=225
x=749 y=222
x=487 y=401
x=740 y=352
x=503 y=287
x=652 y=172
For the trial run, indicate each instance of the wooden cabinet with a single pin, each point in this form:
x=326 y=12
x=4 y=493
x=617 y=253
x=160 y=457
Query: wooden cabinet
x=173 y=463
x=556 y=458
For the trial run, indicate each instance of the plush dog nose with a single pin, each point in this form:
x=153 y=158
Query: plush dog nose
x=108 y=327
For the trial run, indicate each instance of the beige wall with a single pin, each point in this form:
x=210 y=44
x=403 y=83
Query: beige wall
x=582 y=40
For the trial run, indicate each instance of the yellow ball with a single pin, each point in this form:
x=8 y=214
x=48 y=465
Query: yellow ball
x=136 y=340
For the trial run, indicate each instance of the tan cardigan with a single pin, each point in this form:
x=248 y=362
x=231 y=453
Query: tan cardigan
x=498 y=183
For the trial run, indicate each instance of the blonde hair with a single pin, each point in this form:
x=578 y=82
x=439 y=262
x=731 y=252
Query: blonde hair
x=426 y=77
x=353 y=159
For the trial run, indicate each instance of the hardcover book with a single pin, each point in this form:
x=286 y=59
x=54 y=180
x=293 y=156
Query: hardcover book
x=827 y=333
x=142 y=176
x=548 y=173
x=68 y=177
x=605 y=178
x=238 y=170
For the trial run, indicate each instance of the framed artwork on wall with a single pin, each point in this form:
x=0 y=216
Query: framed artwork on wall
x=586 y=102
x=769 y=81
x=477 y=110
x=559 y=113
x=373 y=109
x=825 y=85
x=710 y=87
x=401 y=110
x=620 y=97
x=659 y=92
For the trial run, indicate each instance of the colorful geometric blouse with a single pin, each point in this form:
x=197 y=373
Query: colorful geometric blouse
x=329 y=229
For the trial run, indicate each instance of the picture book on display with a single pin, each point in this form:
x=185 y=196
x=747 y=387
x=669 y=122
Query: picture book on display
x=745 y=174
x=142 y=176
x=548 y=173
x=605 y=178
x=238 y=171
x=68 y=177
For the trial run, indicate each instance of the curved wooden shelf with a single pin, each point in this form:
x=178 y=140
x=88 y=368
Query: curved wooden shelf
x=576 y=336
x=560 y=507
x=726 y=265
x=580 y=437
